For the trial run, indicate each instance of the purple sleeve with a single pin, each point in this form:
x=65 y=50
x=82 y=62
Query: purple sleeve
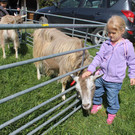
x=131 y=60
x=97 y=59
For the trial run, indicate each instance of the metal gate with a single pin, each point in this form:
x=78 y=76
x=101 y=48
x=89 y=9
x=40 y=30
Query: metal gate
x=58 y=112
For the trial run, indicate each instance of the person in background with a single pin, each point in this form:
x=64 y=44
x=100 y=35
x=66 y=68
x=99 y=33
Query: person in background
x=3 y=7
x=4 y=3
x=14 y=4
x=113 y=58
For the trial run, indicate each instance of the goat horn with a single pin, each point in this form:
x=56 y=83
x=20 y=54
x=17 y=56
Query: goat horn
x=15 y=14
x=23 y=16
x=72 y=76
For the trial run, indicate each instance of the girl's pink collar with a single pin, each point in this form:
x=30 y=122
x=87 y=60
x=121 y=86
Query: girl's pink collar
x=114 y=43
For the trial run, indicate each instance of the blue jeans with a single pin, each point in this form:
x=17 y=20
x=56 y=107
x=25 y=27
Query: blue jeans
x=112 y=91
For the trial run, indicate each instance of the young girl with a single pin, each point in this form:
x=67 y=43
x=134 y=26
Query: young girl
x=113 y=58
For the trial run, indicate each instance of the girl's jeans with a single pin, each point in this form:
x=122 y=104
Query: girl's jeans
x=112 y=91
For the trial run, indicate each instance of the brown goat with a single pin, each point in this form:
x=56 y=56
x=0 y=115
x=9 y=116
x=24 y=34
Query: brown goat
x=51 y=41
x=5 y=35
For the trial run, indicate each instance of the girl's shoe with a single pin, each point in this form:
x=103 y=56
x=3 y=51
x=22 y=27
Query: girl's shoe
x=110 y=118
x=95 y=109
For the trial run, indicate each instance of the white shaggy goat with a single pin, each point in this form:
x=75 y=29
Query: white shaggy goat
x=51 y=41
x=6 y=35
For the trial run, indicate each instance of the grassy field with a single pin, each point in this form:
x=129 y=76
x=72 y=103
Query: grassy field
x=20 y=78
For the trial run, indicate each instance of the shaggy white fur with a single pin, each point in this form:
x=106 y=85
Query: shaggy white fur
x=52 y=41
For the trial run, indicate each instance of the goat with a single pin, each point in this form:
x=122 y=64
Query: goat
x=5 y=35
x=86 y=88
x=51 y=41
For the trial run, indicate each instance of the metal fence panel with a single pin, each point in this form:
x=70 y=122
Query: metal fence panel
x=74 y=105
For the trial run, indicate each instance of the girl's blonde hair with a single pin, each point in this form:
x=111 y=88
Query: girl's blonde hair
x=117 y=23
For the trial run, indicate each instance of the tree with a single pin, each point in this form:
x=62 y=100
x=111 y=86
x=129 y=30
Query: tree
x=45 y=3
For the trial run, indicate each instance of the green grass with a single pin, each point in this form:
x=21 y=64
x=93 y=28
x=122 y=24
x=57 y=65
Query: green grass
x=23 y=77
x=124 y=123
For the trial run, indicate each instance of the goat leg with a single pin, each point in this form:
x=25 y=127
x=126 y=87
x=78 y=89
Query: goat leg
x=38 y=73
x=16 y=52
x=16 y=45
x=63 y=89
x=3 y=49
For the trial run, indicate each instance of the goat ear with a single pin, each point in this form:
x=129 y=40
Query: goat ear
x=97 y=76
x=23 y=16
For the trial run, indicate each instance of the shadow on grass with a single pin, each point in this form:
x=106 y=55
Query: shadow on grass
x=23 y=49
x=105 y=104
x=86 y=113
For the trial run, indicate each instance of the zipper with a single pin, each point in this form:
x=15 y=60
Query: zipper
x=109 y=63
x=114 y=48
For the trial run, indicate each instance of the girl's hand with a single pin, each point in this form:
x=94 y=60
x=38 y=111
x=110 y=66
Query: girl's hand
x=132 y=81
x=85 y=74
